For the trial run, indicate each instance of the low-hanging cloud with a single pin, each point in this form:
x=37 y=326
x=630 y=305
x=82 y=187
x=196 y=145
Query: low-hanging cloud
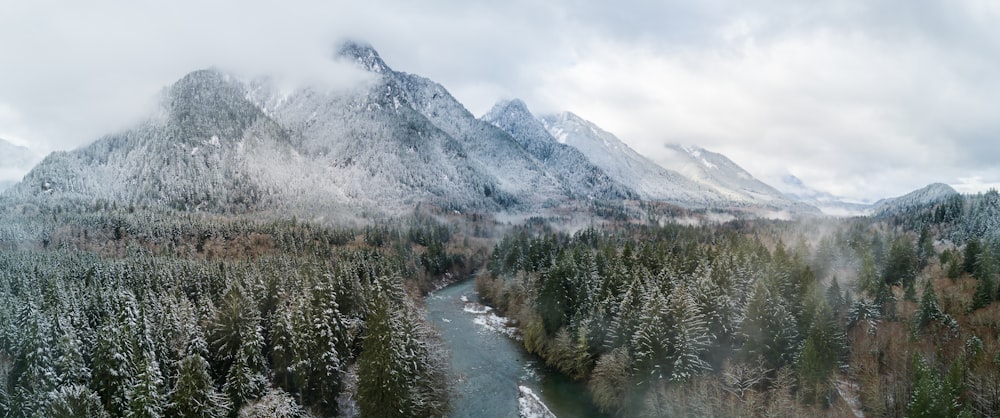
x=861 y=99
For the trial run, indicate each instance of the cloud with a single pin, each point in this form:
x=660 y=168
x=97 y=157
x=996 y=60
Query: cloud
x=862 y=111
x=861 y=99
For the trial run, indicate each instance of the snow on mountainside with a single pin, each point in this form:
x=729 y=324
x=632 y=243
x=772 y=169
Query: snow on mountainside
x=692 y=177
x=194 y=154
x=626 y=166
x=721 y=174
x=495 y=152
x=794 y=188
x=15 y=161
x=216 y=149
x=226 y=145
x=568 y=164
x=931 y=193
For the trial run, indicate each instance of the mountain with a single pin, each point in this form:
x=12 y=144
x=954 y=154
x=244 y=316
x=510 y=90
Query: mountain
x=15 y=162
x=717 y=172
x=692 y=177
x=931 y=193
x=829 y=204
x=626 y=166
x=222 y=144
x=566 y=163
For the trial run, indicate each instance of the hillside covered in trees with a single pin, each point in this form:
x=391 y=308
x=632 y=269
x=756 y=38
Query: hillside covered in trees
x=138 y=311
x=888 y=316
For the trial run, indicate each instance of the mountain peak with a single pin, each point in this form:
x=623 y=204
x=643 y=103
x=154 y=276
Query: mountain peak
x=364 y=54
x=931 y=193
x=508 y=108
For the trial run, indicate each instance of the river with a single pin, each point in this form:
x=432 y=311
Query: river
x=488 y=365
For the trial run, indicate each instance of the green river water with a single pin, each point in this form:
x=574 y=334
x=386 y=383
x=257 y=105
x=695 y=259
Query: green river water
x=488 y=365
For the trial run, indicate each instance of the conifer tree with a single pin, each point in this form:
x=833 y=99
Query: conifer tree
x=33 y=373
x=145 y=398
x=114 y=362
x=383 y=389
x=73 y=401
x=194 y=394
x=769 y=330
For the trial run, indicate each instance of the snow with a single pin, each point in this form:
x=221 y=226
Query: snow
x=475 y=308
x=486 y=318
x=529 y=405
x=849 y=392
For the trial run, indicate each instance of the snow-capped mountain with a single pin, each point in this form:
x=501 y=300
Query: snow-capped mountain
x=219 y=143
x=15 y=161
x=222 y=144
x=717 y=172
x=567 y=163
x=931 y=193
x=829 y=204
x=626 y=166
x=692 y=177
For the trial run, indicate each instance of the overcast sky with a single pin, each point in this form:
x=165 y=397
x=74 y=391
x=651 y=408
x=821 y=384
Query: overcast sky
x=861 y=98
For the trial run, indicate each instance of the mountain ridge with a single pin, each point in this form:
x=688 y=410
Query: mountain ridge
x=225 y=144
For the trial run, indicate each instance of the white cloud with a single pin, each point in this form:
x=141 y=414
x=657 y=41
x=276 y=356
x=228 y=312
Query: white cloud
x=861 y=99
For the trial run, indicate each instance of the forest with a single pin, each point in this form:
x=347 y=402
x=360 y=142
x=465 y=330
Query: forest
x=148 y=313
x=137 y=311
x=888 y=316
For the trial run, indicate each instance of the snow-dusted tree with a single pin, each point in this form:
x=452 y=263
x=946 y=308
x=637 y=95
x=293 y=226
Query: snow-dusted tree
x=145 y=396
x=194 y=394
x=236 y=343
x=274 y=404
x=930 y=311
x=73 y=401
x=114 y=363
x=33 y=373
x=384 y=385
x=401 y=375
x=71 y=365
x=769 y=330
x=689 y=336
x=322 y=343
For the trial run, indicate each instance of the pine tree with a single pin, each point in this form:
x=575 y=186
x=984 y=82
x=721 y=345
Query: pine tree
x=929 y=311
x=71 y=365
x=769 y=330
x=901 y=265
x=383 y=389
x=929 y=397
x=145 y=399
x=73 y=401
x=237 y=344
x=114 y=362
x=970 y=255
x=986 y=291
x=650 y=340
x=925 y=247
x=33 y=373
x=323 y=345
x=689 y=334
x=194 y=394
x=401 y=375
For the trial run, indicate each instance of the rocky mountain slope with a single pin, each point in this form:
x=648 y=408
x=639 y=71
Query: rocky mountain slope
x=223 y=144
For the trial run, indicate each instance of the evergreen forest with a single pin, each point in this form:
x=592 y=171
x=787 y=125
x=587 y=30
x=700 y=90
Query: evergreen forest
x=152 y=312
